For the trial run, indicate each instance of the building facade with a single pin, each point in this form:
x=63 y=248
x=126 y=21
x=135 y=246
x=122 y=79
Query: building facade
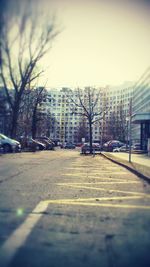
x=115 y=122
x=141 y=110
x=67 y=124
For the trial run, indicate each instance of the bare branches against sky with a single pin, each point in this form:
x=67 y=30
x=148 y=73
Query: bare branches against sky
x=102 y=42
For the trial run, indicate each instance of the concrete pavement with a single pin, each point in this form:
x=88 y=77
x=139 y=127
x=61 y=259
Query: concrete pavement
x=61 y=209
x=140 y=163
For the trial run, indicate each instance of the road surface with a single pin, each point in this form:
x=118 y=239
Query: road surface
x=60 y=208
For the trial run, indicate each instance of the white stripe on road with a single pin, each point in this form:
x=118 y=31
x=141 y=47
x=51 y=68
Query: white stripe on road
x=114 y=182
x=93 y=173
x=105 y=189
x=107 y=205
x=19 y=236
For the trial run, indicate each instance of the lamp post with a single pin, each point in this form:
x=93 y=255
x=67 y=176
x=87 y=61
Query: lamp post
x=102 y=126
x=127 y=132
x=130 y=118
x=128 y=141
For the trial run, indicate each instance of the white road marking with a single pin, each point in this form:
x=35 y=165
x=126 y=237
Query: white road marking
x=94 y=169
x=78 y=176
x=112 y=182
x=93 y=173
x=105 y=189
x=68 y=200
x=19 y=236
x=108 y=205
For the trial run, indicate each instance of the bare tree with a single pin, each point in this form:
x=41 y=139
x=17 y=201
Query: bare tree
x=39 y=97
x=117 y=126
x=82 y=130
x=45 y=124
x=5 y=114
x=88 y=106
x=34 y=119
x=26 y=39
x=3 y=8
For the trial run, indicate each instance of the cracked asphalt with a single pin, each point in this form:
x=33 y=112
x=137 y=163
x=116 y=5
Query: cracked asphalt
x=60 y=208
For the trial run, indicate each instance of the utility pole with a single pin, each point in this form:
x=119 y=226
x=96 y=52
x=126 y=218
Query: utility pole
x=127 y=133
x=130 y=120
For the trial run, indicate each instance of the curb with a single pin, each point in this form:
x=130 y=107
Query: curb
x=130 y=168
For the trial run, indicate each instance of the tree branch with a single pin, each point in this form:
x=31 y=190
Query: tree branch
x=7 y=51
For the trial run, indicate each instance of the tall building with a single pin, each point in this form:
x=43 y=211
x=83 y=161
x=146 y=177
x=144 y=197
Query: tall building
x=141 y=110
x=67 y=123
x=115 y=123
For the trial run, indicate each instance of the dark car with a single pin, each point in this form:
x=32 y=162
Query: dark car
x=9 y=145
x=111 y=145
x=45 y=140
x=1 y=148
x=69 y=146
x=136 y=146
x=79 y=144
x=85 y=148
x=31 y=144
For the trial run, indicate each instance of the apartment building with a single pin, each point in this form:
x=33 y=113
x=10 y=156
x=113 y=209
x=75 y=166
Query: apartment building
x=141 y=110
x=67 y=124
x=114 y=124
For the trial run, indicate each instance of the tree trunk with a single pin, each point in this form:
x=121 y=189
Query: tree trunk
x=14 y=124
x=90 y=125
x=34 y=123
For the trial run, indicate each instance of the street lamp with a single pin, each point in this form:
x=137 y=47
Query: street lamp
x=128 y=141
x=129 y=134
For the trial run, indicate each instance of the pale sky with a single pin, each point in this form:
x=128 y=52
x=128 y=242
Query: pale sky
x=102 y=43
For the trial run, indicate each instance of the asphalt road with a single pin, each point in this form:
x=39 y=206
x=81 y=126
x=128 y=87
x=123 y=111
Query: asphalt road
x=60 y=208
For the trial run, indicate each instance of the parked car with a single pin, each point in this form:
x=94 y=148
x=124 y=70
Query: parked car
x=85 y=148
x=9 y=145
x=110 y=145
x=47 y=141
x=31 y=144
x=121 y=149
x=125 y=148
x=79 y=144
x=69 y=146
x=136 y=146
x=1 y=147
x=61 y=145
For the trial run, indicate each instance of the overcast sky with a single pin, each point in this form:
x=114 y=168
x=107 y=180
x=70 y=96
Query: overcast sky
x=102 y=43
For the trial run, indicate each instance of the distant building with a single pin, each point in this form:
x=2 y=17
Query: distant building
x=115 y=124
x=56 y=104
x=141 y=110
x=66 y=125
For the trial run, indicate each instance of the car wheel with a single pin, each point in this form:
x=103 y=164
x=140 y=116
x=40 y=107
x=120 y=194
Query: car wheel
x=38 y=147
x=7 y=148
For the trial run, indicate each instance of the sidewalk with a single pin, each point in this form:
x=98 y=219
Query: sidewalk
x=140 y=163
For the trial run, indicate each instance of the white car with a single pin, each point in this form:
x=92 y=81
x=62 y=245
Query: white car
x=121 y=149
x=9 y=145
